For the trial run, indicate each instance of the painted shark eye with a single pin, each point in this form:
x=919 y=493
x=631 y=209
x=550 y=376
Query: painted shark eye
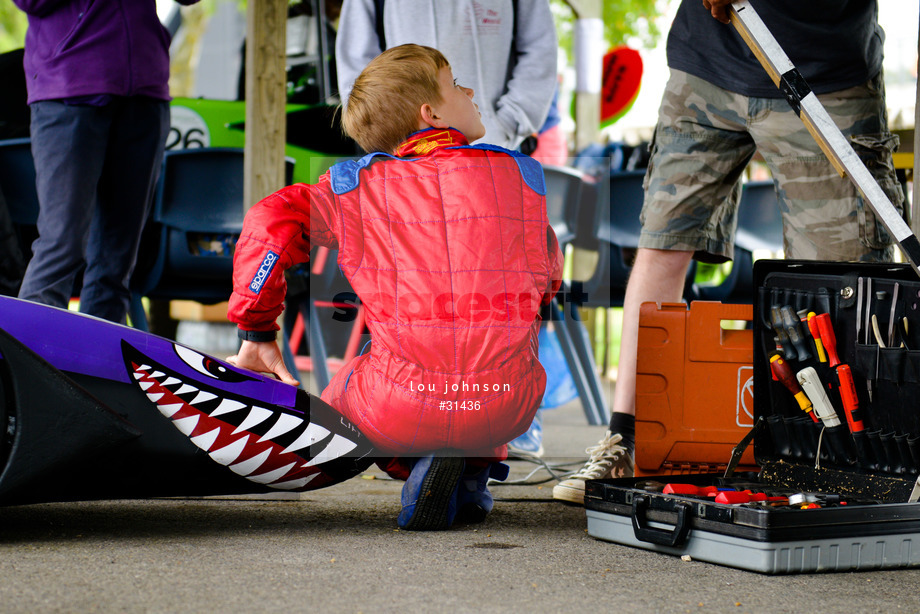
x=208 y=366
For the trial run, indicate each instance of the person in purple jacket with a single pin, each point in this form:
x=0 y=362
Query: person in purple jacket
x=96 y=74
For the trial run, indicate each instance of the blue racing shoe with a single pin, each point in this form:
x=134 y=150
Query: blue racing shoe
x=529 y=444
x=474 y=501
x=429 y=496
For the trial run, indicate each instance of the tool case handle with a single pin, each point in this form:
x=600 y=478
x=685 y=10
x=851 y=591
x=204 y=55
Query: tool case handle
x=711 y=342
x=663 y=537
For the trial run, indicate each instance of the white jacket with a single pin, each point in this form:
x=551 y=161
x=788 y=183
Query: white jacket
x=513 y=93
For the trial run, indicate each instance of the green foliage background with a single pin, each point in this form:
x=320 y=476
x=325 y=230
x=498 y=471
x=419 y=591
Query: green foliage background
x=13 y=25
x=625 y=21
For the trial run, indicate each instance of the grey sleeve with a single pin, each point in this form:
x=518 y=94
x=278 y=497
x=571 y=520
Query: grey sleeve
x=523 y=107
x=356 y=42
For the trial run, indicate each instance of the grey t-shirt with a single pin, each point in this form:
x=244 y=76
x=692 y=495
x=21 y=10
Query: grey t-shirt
x=835 y=44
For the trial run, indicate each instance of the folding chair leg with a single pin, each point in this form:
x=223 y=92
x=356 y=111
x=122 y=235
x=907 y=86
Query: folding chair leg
x=136 y=312
x=575 y=347
x=317 y=345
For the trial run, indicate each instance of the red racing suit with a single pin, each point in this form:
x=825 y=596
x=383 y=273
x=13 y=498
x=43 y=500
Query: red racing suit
x=450 y=251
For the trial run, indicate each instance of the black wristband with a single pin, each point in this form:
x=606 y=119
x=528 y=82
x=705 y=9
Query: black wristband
x=256 y=335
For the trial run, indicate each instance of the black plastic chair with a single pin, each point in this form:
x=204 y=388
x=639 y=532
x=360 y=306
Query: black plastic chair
x=187 y=248
x=564 y=186
x=760 y=228
x=565 y=190
x=617 y=204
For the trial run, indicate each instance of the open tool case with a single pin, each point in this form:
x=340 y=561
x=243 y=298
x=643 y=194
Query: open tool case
x=839 y=455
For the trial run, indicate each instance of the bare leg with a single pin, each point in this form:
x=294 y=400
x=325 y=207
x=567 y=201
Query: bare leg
x=657 y=276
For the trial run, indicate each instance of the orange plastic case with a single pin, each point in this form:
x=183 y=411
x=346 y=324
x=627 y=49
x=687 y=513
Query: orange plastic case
x=694 y=388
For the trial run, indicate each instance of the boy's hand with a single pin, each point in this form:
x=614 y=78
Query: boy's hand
x=263 y=357
x=719 y=9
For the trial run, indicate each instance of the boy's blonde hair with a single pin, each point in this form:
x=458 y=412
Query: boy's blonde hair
x=383 y=107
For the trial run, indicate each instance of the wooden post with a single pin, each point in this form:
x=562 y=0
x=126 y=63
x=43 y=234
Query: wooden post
x=589 y=53
x=266 y=97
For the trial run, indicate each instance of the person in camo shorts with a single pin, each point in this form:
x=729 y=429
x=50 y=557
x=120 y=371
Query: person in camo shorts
x=718 y=109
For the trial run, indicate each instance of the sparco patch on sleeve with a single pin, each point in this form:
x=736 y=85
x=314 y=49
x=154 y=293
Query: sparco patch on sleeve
x=265 y=269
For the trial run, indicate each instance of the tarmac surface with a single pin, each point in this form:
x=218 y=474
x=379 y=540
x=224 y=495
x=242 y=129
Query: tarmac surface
x=339 y=550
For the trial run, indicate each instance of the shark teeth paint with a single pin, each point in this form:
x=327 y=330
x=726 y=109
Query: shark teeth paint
x=277 y=447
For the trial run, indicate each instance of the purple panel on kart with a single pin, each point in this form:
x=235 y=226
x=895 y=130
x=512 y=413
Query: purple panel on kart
x=77 y=343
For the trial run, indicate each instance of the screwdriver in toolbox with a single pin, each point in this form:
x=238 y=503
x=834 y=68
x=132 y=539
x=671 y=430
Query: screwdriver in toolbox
x=734 y=497
x=845 y=381
x=728 y=496
x=827 y=338
x=741 y=497
x=849 y=398
x=793 y=327
x=783 y=373
x=812 y=321
x=690 y=489
x=776 y=321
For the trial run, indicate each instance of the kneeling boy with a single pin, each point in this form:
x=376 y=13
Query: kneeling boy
x=449 y=248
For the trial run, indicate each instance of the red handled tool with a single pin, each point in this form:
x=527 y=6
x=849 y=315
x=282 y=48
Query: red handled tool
x=849 y=398
x=828 y=338
x=846 y=385
x=816 y=334
x=783 y=373
x=690 y=489
x=734 y=497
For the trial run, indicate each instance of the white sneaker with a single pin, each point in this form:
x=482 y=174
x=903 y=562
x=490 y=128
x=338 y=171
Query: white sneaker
x=608 y=459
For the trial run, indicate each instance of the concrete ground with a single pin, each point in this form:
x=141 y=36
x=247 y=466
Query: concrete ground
x=339 y=550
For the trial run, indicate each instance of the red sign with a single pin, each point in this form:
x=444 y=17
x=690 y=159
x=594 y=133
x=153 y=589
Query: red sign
x=620 y=86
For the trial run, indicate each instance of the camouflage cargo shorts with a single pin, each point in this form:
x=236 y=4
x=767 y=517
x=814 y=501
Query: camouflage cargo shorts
x=706 y=136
